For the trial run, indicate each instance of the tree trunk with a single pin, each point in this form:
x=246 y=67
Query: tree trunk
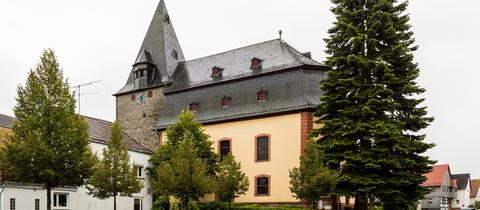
x=313 y=205
x=335 y=202
x=49 y=198
x=229 y=202
x=361 y=201
x=114 y=201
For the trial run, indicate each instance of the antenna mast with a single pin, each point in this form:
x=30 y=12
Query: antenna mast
x=78 y=87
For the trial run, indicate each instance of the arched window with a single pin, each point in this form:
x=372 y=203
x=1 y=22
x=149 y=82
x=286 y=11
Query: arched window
x=262 y=148
x=225 y=147
x=262 y=96
x=226 y=102
x=262 y=185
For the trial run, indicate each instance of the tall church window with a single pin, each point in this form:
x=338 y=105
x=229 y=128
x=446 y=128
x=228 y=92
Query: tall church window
x=225 y=147
x=262 y=148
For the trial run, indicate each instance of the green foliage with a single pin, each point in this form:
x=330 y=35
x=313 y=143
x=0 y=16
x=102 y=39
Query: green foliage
x=175 y=134
x=186 y=176
x=370 y=111
x=50 y=143
x=231 y=181
x=312 y=179
x=240 y=206
x=114 y=175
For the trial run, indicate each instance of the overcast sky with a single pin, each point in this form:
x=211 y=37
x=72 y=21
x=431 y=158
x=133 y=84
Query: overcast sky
x=99 y=39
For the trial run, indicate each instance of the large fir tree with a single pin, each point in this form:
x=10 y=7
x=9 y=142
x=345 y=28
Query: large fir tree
x=114 y=175
x=370 y=109
x=50 y=143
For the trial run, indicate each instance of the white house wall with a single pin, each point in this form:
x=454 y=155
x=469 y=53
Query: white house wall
x=78 y=199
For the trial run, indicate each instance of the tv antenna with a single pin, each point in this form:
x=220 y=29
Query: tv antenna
x=78 y=87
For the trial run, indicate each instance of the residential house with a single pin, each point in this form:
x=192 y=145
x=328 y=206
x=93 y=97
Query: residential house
x=443 y=189
x=23 y=196
x=255 y=102
x=462 y=200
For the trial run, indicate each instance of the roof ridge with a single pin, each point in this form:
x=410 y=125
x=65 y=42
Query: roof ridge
x=98 y=119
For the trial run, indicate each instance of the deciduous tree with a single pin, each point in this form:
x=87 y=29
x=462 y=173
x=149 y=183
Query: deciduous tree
x=231 y=181
x=114 y=175
x=50 y=143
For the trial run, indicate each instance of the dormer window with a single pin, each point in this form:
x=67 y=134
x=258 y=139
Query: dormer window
x=262 y=96
x=193 y=107
x=216 y=71
x=256 y=63
x=226 y=102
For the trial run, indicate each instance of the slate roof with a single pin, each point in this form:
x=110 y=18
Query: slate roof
x=290 y=78
x=462 y=180
x=158 y=47
x=436 y=176
x=276 y=55
x=99 y=132
x=6 y=121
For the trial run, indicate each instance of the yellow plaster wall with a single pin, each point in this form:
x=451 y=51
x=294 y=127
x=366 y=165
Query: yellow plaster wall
x=4 y=133
x=285 y=152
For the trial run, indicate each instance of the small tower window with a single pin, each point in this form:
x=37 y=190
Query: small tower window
x=175 y=54
x=256 y=63
x=149 y=93
x=262 y=96
x=226 y=102
x=133 y=97
x=193 y=107
x=166 y=18
x=216 y=71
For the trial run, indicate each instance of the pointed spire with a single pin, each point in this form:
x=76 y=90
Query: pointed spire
x=160 y=47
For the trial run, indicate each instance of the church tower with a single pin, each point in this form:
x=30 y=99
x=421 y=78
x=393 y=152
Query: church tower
x=140 y=101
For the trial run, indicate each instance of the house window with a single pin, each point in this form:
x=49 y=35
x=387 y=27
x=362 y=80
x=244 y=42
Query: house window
x=262 y=150
x=216 y=71
x=137 y=204
x=262 y=96
x=60 y=200
x=225 y=148
x=256 y=63
x=193 y=107
x=139 y=171
x=12 y=203
x=37 y=204
x=226 y=102
x=457 y=201
x=429 y=200
x=262 y=185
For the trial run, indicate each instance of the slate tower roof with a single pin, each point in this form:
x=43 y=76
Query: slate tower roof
x=160 y=53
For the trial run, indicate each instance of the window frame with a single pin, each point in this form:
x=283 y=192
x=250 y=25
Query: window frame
x=55 y=200
x=139 y=169
x=256 y=63
x=141 y=203
x=220 y=148
x=216 y=71
x=269 y=137
x=13 y=204
x=268 y=187
x=229 y=99
x=194 y=106
x=262 y=92
x=37 y=204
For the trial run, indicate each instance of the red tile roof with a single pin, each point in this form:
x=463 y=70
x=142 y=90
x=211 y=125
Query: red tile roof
x=99 y=131
x=475 y=186
x=436 y=176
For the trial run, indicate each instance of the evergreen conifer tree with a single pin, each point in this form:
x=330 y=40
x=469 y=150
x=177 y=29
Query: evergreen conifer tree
x=312 y=179
x=114 y=176
x=231 y=181
x=50 y=143
x=370 y=111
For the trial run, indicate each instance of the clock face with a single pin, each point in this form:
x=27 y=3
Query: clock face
x=141 y=99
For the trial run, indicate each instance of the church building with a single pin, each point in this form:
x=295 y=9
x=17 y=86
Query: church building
x=255 y=102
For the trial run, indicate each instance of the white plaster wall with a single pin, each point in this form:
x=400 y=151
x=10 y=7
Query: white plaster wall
x=78 y=199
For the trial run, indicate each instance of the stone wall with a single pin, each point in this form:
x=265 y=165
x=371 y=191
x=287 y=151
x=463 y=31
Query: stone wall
x=139 y=118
